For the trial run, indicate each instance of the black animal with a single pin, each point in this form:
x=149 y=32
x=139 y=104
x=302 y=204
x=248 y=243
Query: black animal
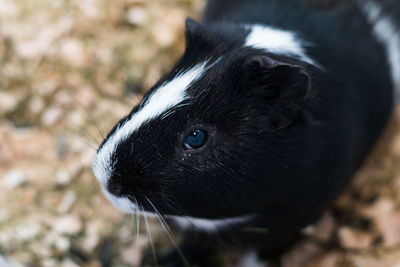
x=259 y=125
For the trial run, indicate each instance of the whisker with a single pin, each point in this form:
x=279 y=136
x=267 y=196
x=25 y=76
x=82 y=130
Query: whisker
x=179 y=209
x=169 y=231
x=90 y=116
x=137 y=228
x=137 y=223
x=104 y=130
x=88 y=134
x=170 y=112
x=150 y=238
x=185 y=215
x=127 y=220
x=83 y=140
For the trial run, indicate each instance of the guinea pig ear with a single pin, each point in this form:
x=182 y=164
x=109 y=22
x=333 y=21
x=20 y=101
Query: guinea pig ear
x=196 y=35
x=282 y=86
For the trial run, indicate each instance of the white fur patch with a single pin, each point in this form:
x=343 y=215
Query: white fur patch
x=276 y=41
x=207 y=225
x=121 y=203
x=386 y=33
x=250 y=259
x=126 y=206
x=161 y=100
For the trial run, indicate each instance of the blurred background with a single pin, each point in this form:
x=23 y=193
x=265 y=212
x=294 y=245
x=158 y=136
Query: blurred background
x=68 y=71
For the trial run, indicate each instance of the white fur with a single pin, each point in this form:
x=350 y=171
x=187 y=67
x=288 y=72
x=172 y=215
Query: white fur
x=250 y=259
x=386 y=33
x=207 y=225
x=276 y=41
x=126 y=206
x=162 y=99
x=121 y=203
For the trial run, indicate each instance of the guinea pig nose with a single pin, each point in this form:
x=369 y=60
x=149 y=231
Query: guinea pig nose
x=117 y=189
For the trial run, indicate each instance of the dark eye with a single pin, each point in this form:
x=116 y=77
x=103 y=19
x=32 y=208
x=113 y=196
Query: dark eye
x=195 y=139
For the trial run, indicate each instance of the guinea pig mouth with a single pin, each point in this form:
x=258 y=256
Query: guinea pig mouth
x=124 y=204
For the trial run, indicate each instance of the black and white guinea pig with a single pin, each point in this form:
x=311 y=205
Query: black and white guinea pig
x=260 y=124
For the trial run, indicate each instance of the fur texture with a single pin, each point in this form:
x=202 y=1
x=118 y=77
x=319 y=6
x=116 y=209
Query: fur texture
x=292 y=99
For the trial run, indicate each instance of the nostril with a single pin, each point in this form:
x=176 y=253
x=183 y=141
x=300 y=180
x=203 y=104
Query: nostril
x=116 y=189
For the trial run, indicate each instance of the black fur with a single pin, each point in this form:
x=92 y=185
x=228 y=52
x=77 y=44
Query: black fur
x=284 y=136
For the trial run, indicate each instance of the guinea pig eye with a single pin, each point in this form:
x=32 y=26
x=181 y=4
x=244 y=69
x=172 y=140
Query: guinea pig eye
x=195 y=139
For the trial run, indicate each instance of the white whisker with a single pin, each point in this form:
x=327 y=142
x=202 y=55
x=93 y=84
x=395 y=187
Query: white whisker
x=104 y=130
x=90 y=116
x=83 y=140
x=137 y=223
x=86 y=132
x=169 y=231
x=150 y=238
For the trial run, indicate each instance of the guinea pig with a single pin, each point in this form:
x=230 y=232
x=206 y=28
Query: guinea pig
x=259 y=125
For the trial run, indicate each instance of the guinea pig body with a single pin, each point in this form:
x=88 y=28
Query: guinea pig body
x=261 y=123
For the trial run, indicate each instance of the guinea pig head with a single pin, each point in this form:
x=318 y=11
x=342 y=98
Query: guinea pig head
x=201 y=143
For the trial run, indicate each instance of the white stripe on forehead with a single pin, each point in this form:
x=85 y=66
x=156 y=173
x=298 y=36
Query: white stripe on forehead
x=386 y=33
x=276 y=41
x=161 y=100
